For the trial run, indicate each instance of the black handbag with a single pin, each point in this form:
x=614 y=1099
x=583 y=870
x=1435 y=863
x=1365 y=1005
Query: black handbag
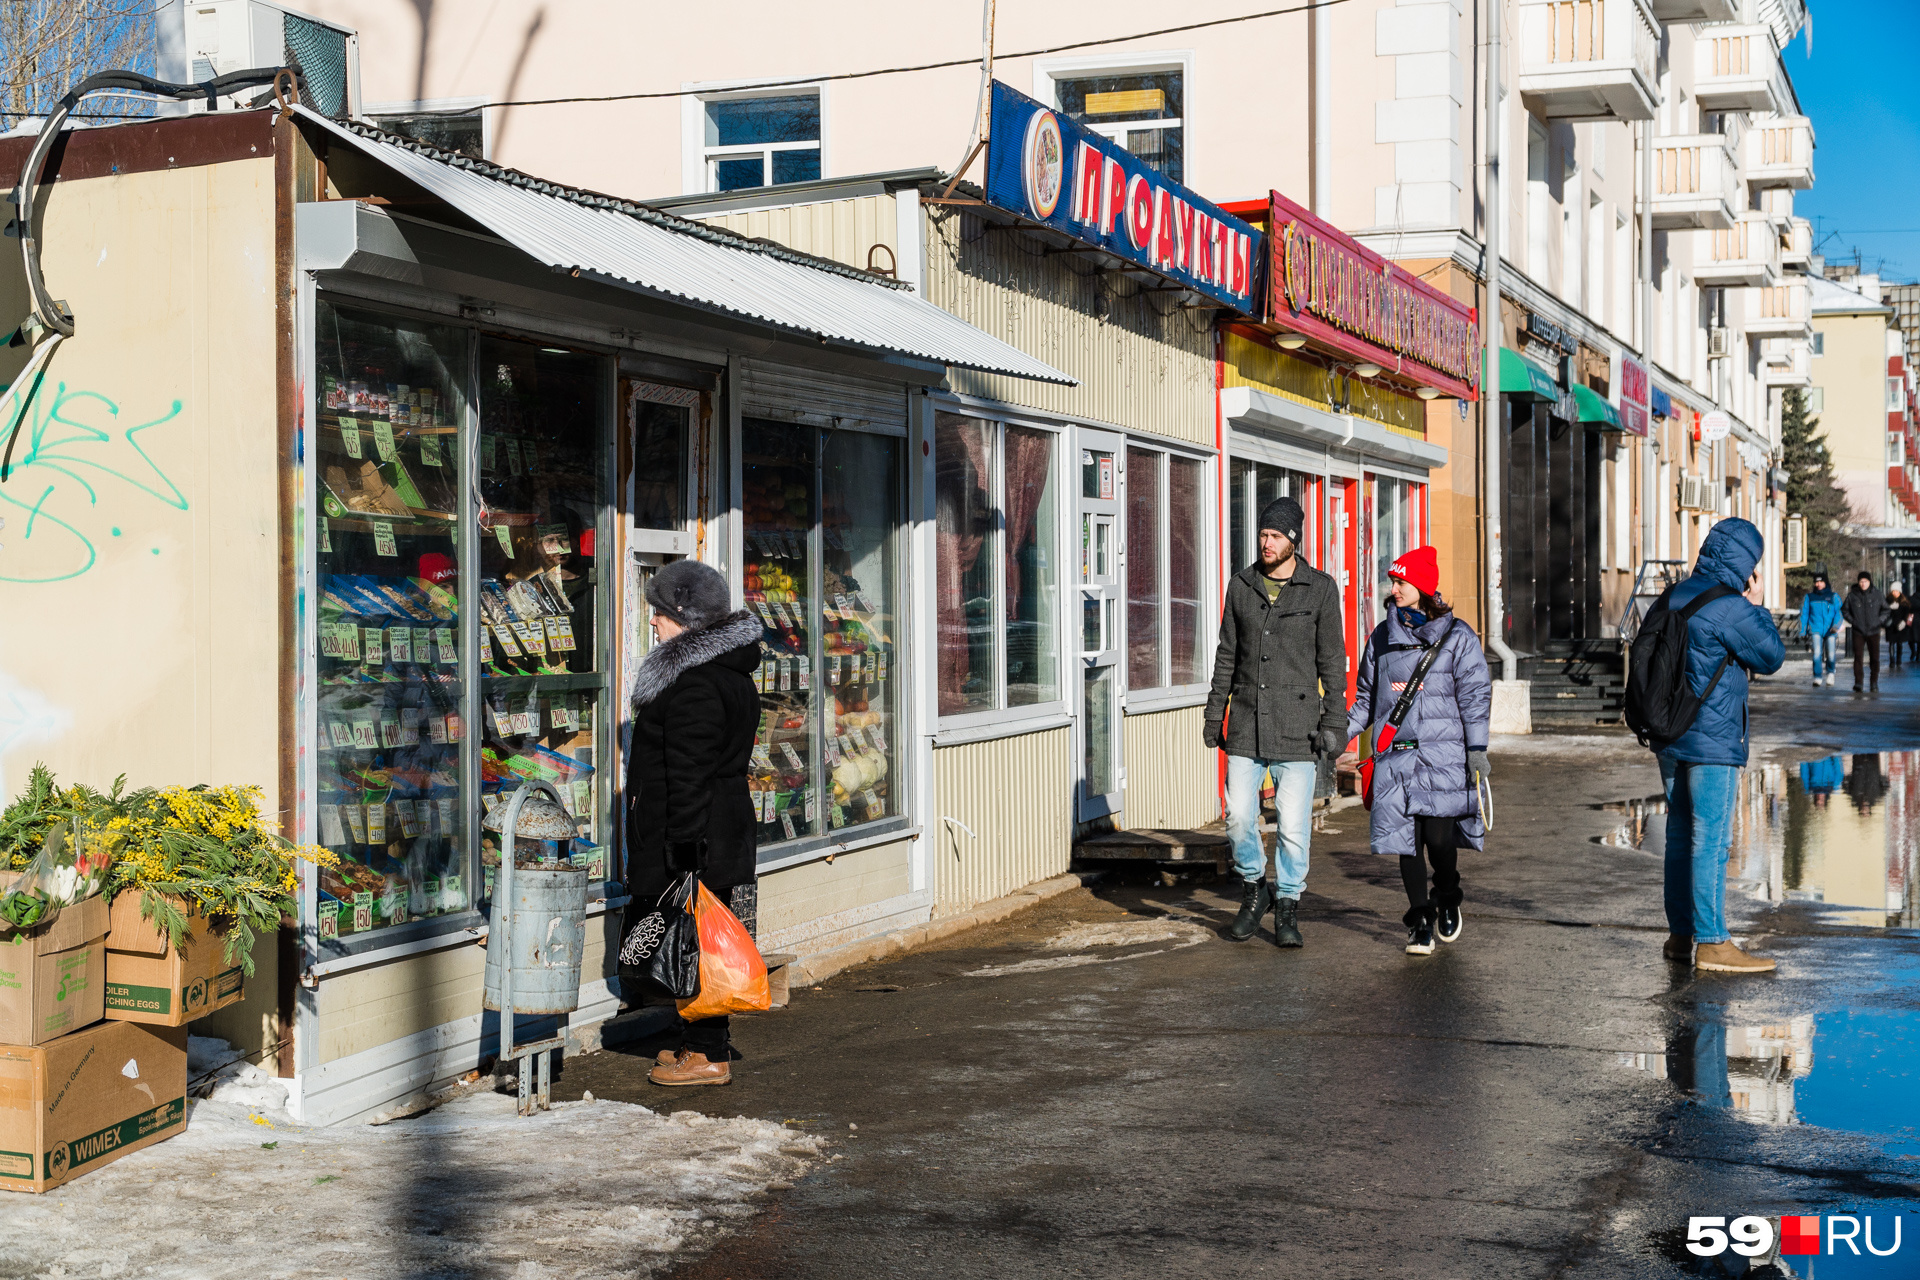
x=665 y=943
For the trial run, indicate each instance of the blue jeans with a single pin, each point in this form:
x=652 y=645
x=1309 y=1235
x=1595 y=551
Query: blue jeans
x=1293 y=805
x=1824 y=646
x=1700 y=801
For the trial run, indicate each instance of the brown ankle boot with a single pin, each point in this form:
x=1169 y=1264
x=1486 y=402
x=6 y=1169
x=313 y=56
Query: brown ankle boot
x=1724 y=957
x=1678 y=948
x=692 y=1068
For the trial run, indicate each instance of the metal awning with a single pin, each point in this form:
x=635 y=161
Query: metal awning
x=634 y=247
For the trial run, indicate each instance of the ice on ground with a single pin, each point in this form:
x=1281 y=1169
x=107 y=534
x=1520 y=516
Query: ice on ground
x=1119 y=933
x=588 y=1191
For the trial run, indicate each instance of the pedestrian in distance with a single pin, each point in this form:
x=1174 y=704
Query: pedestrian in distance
x=1278 y=704
x=1820 y=623
x=1426 y=785
x=1899 y=624
x=1727 y=636
x=695 y=714
x=1866 y=615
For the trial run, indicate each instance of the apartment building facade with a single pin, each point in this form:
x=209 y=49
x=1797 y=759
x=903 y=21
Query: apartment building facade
x=1863 y=393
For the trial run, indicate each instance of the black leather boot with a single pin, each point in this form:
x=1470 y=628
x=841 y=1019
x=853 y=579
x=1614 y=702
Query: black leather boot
x=1286 y=923
x=1255 y=895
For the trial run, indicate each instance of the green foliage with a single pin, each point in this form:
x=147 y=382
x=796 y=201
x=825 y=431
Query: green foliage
x=1813 y=493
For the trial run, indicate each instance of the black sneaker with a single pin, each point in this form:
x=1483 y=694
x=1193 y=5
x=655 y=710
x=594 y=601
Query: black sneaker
x=1420 y=940
x=1447 y=927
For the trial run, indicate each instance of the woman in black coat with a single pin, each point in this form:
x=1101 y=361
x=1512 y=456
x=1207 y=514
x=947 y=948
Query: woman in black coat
x=695 y=714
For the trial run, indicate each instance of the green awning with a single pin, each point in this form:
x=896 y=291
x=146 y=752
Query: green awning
x=1594 y=409
x=1522 y=378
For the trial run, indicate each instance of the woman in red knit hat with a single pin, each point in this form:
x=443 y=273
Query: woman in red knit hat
x=1426 y=772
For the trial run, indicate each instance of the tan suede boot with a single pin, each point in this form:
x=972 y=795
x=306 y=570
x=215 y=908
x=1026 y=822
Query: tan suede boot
x=1724 y=957
x=1678 y=948
x=692 y=1068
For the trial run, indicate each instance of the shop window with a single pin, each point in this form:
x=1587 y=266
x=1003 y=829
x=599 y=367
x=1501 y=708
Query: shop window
x=1399 y=522
x=821 y=535
x=405 y=736
x=461 y=133
x=997 y=589
x=1142 y=111
x=1168 y=599
x=761 y=141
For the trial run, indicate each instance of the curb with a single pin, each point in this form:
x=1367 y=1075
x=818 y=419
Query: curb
x=809 y=970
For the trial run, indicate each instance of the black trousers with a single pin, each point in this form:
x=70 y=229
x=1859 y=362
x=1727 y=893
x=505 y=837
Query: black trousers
x=705 y=1036
x=1896 y=640
x=1867 y=648
x=1438 y=839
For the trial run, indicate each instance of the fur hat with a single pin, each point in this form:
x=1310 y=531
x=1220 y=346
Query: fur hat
x=692 y=594
x=1419 y=569
x=1285 y=515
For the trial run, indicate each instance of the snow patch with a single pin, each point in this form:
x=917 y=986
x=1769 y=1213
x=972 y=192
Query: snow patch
x=1122 y=933
x=588 y=1191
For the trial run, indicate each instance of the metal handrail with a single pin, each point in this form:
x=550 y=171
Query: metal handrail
x=1665 y=574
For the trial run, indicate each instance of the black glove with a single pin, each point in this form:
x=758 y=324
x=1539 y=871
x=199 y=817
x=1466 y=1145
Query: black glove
x=1211 y=735
x=1477 y=764
x=1328 y=742
x=688 y=855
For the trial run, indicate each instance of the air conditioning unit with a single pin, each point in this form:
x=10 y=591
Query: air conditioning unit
x=1696 y=493
x=196 y=40
x=1719 y=342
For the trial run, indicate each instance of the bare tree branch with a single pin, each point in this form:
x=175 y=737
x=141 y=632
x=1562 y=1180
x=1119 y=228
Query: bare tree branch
x=48 y=46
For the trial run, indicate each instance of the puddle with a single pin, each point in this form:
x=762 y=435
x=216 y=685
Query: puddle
x=1842 y=832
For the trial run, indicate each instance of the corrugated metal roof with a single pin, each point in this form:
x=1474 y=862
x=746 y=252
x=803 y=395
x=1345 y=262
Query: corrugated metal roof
x=686 y=262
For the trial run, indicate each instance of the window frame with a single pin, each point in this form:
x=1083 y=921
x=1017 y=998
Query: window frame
x=379 y=111
x=1168 y=696
x=1048 y=72
x=697 y=159
x=1001 y=719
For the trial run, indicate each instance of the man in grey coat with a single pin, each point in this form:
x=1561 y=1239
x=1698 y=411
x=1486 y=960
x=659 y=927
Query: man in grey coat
x=1278 y=702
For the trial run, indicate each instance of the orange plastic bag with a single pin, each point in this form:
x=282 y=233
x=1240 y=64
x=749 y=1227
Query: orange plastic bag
x=733 y=977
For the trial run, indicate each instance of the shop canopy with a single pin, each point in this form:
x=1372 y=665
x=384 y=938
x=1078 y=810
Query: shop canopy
x=622 y=243
x=1523 y=378
x=1594 y=409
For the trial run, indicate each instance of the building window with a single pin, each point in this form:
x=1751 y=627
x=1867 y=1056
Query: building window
x=1819 y=343
x=461 y=133
x=1139 y=110
x=1816 y=399
x=761 y=141
x=997 y=564
x=1167 y=597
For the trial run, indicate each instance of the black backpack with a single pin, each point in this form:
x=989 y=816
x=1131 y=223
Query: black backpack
x=1660 y=702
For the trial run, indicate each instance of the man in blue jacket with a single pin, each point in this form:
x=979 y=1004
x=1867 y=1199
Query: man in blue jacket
x=1820 y=623
x=1701 y=768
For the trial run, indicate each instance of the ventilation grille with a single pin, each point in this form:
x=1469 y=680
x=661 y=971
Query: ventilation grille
x=321 y=54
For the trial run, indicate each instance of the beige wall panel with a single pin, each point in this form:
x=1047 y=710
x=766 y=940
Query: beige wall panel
x=815 y=891
x=1853 y=375
x=1016 y=794
x=1172 y=779
x=140 y=555
x=1147 y=365
x=843 y=230
x=364 y=1008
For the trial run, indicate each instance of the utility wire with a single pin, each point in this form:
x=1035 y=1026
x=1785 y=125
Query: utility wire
x=894 y=71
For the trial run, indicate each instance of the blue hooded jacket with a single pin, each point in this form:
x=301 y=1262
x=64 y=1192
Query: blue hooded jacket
x=1727 y=626
x=1819 y=612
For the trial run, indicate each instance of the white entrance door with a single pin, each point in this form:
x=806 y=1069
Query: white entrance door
x=1102 y=587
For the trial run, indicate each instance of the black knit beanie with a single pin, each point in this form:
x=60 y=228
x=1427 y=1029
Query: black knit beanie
x=1285 y=515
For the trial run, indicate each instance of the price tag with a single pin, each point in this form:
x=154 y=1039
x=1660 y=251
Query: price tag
x=583 y=798
x=504 y=538
x=486 y=643
x=522 y=722
x=329 y=919
x=377 y=823
x=559 y=633
x=329 y=640
x=793 y=757
x=383 y=440
x=450 y=885
x=871 y=801
x=332 y=831
x=812 y=806
x=455 y=727
x=350 y=436
x=786 y=674
x=389 y=731
x=400 y=643
x=488 y=452
x=865 y=602
x=445 y=805
x=502 y=722
x=833 y=669
x=409 y=820
x=840 y=603
x=882 y=668
x=504 y=636
x=766 y=614
x=786 y=824
x=806 y=671
x=833 y=750
x=341 y=733
x=437 y=730
x=879 y=742
x=357 y=821
x=362 y=918
x=762 y=755
x=423 y=645
x=780 y=613
x=859 y=738
x=366 y=735
x=429 y=451
x=513 y=456
x=443 y=644
x=846 y=745
x=372 y=648
x=836 y=816
x=326 y=535
x=532 y=637
x=871 y=665
x=383 y=543
x=761 y=676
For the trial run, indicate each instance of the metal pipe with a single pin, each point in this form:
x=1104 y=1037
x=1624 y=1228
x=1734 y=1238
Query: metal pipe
x=1322 y=177
x=1651 y=502
x=1490 y=409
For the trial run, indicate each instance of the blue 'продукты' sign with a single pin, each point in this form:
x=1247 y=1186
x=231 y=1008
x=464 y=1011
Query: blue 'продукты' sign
x=1044 y=167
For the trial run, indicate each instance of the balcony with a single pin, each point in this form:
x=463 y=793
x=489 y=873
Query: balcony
x=1779 y=153
x=1589 y=59
x=1786 y=362
x=1781 y=310
x=1796 y=243
x=1696 y=10
x=1694 y=183
x=1777 y=204
x=1735 y=69
x=1747 y=253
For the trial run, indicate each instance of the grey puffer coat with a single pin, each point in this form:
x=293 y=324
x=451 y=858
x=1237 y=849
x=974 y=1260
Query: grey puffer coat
x=1448 y=719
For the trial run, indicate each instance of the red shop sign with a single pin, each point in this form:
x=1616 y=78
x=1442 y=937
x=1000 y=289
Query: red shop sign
x=1326 y=285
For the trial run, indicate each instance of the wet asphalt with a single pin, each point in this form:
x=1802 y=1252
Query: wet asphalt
x=1545 y=1097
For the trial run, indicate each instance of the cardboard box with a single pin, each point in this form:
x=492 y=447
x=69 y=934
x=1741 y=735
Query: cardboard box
x=148 y=981
x=71 y=1105
x=53 y=976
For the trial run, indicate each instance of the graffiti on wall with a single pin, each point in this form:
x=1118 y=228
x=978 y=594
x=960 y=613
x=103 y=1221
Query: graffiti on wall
x=74 y=466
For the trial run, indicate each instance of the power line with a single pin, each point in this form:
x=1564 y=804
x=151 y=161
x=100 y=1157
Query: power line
x=894 y=71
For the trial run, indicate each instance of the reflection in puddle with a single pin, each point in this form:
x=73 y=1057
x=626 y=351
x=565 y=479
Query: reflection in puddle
x=1839 y=831
x=1747 y=1070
